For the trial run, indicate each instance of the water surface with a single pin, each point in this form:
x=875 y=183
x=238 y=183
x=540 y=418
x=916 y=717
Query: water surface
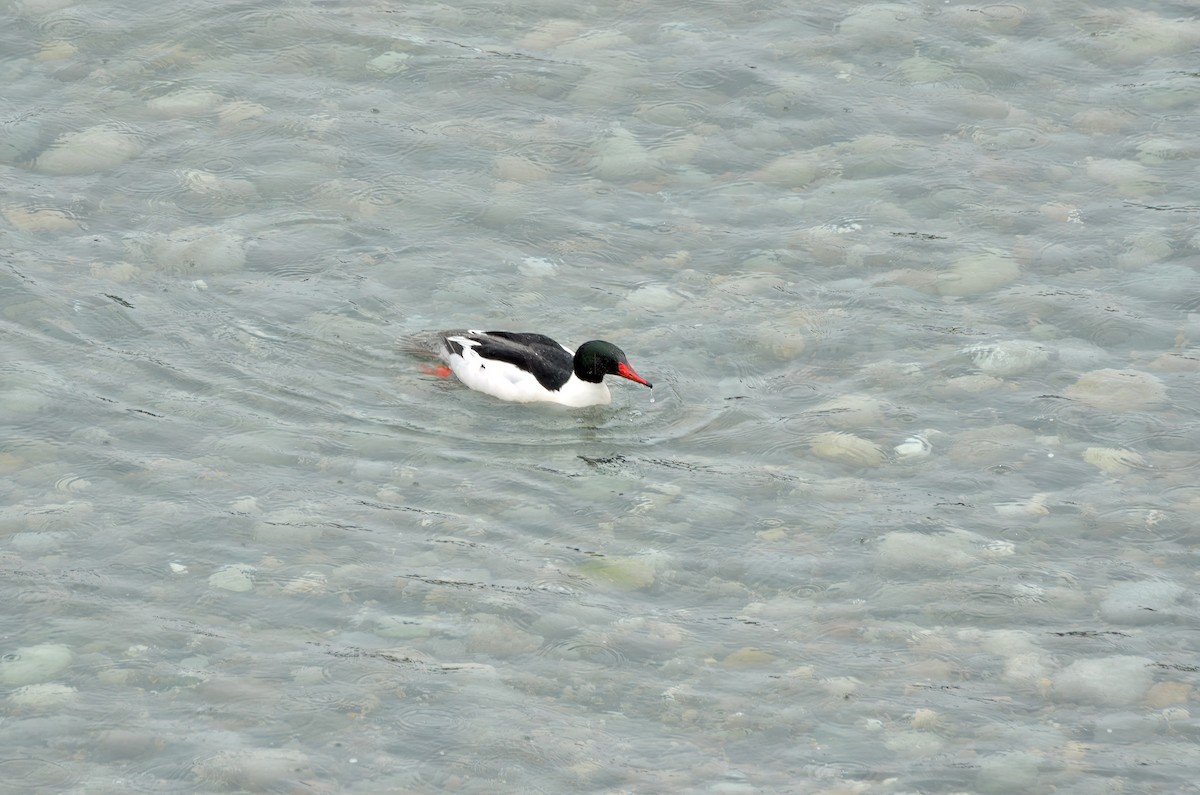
x=912 y=507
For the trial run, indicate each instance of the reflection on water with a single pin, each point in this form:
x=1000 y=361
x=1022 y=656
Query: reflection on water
x=911 y=508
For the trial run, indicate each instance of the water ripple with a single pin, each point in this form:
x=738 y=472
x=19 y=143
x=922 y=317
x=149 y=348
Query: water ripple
x=594 y=652
x=160 y=779
x=1073 y=421
x=560 y=582
x=67 y=24
x=27 y=773
x=702 y=78
x=557 y=155
x=682 y=113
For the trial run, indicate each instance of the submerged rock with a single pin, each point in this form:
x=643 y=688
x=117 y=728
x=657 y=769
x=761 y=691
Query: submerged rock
x=846 y=448
x=32 y=664
x=1118 y=390
x=1108 y=681
x=88 y=151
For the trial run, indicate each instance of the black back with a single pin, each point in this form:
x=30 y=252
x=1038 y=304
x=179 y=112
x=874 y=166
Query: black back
x=550 y=364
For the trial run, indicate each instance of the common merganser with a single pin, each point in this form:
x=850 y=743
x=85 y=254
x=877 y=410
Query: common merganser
x=527 y=368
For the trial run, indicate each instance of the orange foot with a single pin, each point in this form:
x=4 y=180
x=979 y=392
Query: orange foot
x=441 y=371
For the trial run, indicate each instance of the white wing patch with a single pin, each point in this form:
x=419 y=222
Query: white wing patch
x=499 y=379
x=509 y=382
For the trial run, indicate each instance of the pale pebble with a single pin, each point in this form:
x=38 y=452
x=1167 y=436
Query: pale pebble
x=773 y=534
x=921 y=69
x=1144 y=602
x=256 y=769
x=199 y=249
x=39 y=219
x=978 y=273
x=550 y=34
x=798 y=170
x=593 y=42
x=500 y=639
x=1008 y=642
x=758 y=285
x=679 y=150
x=653 y=298
x=236 y=577
x=1009 y=357
x=618 y=157
x=241 y=114
x=627 y=572
x=1002 y=548
x=972 y=384
x=846 y=448
x=1008 y=773
x=247 y=505
x=1102 y=121
x=308 y=675
x=841 y=687
x=22 y=402
x=783 y=344
x=30 y=665
x=46 y=695
x=1157 y=150
x=600 y=89
x=774 y=263
x=309 y=582
x=1114 y=681
x=36 y=543
x=903 y=551
x=204 y=183
x=185 y=102
x=1118 y=390
x=925 y=718
x=1128 y=176
x=880 y=25
x=57 y=516
x=999 y=17
x=914 y=448
x=1015 y=509
x=40 y=7
x=57 y=50
x=1114 y=461
x=521 y=170
x=120 y=272
x=1141 y=35
x=1028 y=670
x=851 y=412
x=389 y=63
x=88 y=151
x=402 y=627
x=288 y=526
x=1061 y=212
x=913 y=744
x=1144 y=249
x=538 y=267
x=748 y=657
x=502 y=211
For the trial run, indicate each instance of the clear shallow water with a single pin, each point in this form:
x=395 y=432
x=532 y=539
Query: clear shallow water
x=912 y=509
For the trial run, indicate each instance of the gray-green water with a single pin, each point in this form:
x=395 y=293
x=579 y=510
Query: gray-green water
x=913 y=509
